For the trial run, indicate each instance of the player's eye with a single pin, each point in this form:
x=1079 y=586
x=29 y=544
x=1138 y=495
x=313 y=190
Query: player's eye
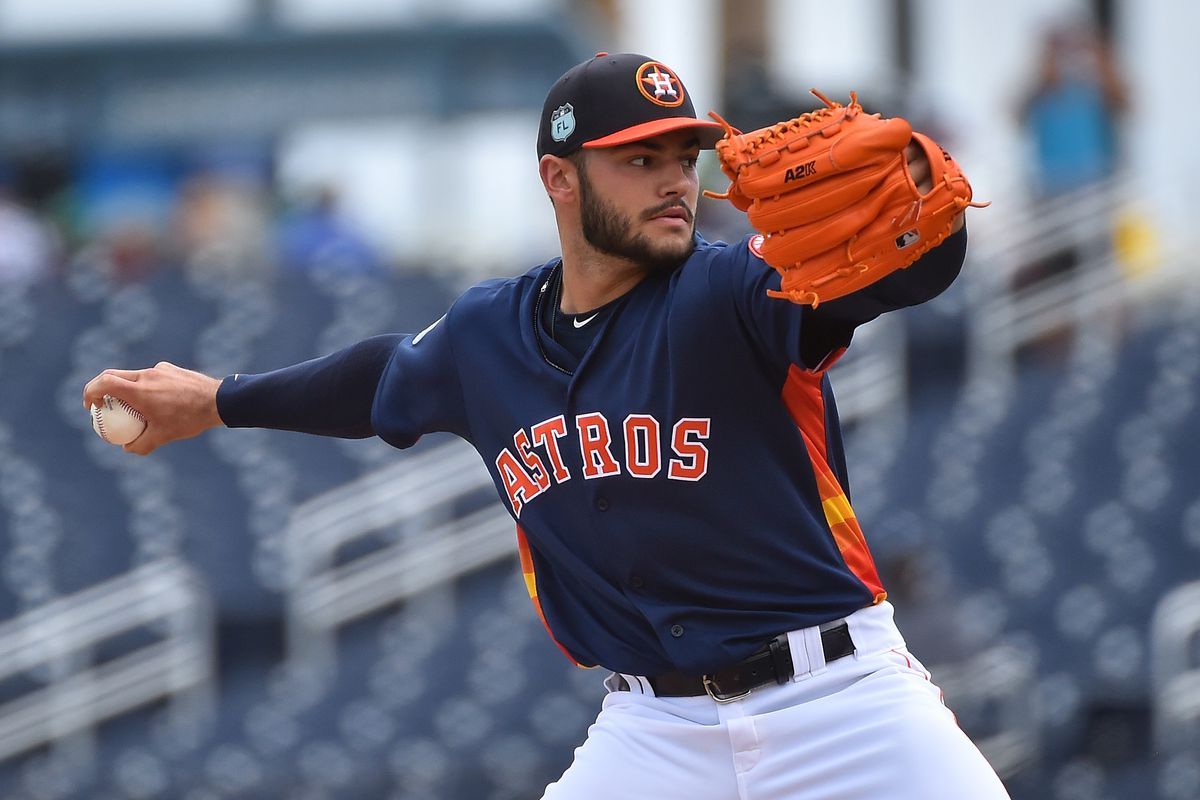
x=690 y=162
x=640 y=161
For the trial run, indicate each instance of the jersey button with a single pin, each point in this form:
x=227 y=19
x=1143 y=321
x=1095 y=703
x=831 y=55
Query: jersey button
x=636 y=581
x=602 y=503
x=677 y=630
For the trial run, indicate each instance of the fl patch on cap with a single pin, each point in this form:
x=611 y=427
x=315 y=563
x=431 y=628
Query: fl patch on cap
x=610 y=100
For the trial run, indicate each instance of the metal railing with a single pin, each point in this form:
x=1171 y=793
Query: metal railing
x=424 y=542
x=1010 y=305
x=1175 y=673
x=55 y=644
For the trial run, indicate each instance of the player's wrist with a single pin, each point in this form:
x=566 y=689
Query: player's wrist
x=211 y=412
x=222 y=398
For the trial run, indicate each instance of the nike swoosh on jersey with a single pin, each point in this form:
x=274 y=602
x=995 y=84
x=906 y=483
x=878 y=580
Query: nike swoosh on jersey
x=579 y=323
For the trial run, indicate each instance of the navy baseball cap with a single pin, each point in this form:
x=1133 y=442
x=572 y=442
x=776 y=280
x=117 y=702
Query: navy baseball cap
x=610 y=100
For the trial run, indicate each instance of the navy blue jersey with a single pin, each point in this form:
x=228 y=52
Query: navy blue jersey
x=679 y=489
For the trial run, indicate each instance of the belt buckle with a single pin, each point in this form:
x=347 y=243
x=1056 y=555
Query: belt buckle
x=714 y=691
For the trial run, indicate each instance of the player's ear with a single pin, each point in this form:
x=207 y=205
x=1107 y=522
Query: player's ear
x=560 y=178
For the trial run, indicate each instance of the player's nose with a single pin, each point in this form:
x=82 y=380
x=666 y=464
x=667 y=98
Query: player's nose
x=675 y=182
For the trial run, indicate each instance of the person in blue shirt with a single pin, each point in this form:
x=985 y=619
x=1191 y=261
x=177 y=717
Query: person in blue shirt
x=1071 y=113
x=666 y=439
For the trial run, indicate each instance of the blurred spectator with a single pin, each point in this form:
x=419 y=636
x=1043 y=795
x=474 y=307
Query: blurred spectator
x=222 y=226
x=28 y=249
x=1071 y=116
x=316 y=237
x=125 y=200
x=133 y=250
x=1071 y=113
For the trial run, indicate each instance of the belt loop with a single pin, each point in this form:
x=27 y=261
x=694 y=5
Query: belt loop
x=781 y=658
x=808 y=654
x=638 y=684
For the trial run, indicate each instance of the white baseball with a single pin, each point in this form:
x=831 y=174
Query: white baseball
x=117 y=422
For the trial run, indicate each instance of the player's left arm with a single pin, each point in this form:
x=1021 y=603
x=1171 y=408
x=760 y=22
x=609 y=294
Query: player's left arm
x=842 y=198
x=789 y=333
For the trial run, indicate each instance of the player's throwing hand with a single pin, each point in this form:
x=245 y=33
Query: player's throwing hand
x=177 y=403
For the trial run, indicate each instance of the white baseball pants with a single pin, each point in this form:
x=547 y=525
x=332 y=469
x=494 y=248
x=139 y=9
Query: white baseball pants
x=864 y=727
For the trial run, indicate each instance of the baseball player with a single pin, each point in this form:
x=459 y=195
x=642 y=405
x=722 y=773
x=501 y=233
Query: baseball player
x=655 y=412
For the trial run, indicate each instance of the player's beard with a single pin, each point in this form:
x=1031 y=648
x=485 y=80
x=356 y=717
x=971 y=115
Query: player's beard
x=609 y=231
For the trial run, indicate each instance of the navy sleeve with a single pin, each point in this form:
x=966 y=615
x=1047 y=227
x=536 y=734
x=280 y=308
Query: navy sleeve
x=328 y=396
x=420 y=390
x=775 y=327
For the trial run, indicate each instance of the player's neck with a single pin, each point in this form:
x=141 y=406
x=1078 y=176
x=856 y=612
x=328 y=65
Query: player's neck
x=592 y=279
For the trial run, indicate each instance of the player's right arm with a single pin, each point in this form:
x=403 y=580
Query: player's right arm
x=330 y=396
x=395 y=386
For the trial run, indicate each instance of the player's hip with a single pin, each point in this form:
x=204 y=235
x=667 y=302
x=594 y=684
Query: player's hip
x=845 y=650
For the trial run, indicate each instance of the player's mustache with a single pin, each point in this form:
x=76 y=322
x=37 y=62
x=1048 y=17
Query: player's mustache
x=680 y=202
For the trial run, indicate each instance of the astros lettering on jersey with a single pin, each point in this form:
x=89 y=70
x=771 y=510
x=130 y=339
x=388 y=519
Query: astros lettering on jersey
x=526 y=477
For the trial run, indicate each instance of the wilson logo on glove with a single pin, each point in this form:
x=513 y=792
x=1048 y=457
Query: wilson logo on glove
x=831 y=192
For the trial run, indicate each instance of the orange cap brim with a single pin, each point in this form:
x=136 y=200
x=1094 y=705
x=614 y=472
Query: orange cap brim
x=709 y=132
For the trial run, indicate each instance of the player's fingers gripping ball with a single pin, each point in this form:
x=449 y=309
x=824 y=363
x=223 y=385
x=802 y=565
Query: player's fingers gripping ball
x=117 y=422
x=832 y=194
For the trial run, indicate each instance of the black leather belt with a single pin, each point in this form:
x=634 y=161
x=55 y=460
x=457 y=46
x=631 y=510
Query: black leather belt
x=772 y=663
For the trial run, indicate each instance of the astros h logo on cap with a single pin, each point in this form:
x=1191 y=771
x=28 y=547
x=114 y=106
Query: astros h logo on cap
x=659 y=84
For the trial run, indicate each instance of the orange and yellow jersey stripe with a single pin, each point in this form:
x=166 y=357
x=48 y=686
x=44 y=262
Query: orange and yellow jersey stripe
x=805 y=400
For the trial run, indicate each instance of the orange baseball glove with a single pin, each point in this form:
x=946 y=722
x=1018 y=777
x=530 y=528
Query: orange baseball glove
x=832 y=194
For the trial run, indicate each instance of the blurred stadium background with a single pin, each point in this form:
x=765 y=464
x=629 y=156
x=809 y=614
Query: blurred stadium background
x=235 y=185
